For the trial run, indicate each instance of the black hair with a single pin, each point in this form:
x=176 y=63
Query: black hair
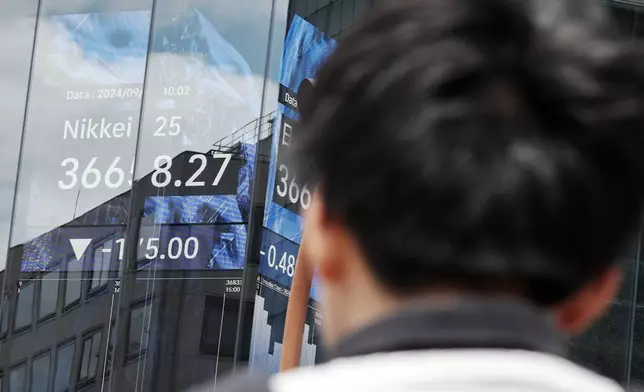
x=481 y=142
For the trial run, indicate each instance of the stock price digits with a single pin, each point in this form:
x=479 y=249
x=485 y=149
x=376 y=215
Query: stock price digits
x=286 y=262
x=287 y=188
x=93 y=174
x=290 y=193
x=162 y=177
x=176 y=248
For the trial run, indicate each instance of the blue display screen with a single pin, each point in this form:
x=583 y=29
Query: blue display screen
x=213 y=209
x=192 y=247
x=305 y=50
x=74 y=246
x=210 y=230
x=277 y=258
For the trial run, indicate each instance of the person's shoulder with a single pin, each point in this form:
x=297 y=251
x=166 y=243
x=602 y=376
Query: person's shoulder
x=247 y=382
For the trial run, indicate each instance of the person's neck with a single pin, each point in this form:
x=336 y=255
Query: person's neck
x=368 y=310
x=489 y=321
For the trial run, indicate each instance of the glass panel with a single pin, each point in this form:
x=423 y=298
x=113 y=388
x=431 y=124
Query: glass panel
x=638 y=28
x=361 y=7
x=197 y=141
x=90 y=356
x=4 y=323
x=24 y=306
x=624 y=16
x=305 y=48
x=18 y=379
x=101 y=265
x=219 y=326
x=347 y=13
x=183 y=311
x=87 y=352
x=637 y=361
x=138 y=334
x=604 y=348
x=319 y=18
x=64 y=362
x=335 y=22
x=18 y=21
x=40 y=373
x=195 y=166
x=96 y=352
x=202 y=116
x=637 y=368
x=73 y=283
x=77 y=160
x=323 y=3
x=72 y=291
x=311 y=6
x=298 y=7
x=110 y=353
x=49 y=294
x=81 y=125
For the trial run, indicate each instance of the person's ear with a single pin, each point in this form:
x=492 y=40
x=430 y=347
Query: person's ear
x=324 y=241
x=577 y=313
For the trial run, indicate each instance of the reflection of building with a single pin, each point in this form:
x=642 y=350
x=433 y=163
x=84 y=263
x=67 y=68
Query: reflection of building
x=269 y=317
x=98 y=323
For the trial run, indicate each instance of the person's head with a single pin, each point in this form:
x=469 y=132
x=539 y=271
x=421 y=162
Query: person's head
x=470 y=147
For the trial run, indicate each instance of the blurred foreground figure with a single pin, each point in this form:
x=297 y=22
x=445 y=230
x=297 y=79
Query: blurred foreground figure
x=478 y=165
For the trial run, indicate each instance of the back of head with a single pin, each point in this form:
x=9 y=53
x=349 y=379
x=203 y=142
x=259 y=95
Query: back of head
x=481 y=142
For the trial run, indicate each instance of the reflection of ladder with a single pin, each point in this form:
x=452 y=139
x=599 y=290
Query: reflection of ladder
x=256 y=130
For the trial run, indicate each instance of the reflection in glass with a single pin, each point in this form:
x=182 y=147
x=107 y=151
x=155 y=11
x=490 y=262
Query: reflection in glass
x=17 y=19
x=87 y=77
x=637 y=366
x=139 y=329
x=72 y=286
x=219 y=326
x=89 y=360
x=205 y=81
x=110 y=352
x=361 y=7
x=40 y=373
x=64 y=360
x=18 y=379
x=335 y=21
x=24 y=306
x=604 y=347
x=101 y=265
x=347 y=14
x=4 y=322
x=49 y=294
x=72 y=291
